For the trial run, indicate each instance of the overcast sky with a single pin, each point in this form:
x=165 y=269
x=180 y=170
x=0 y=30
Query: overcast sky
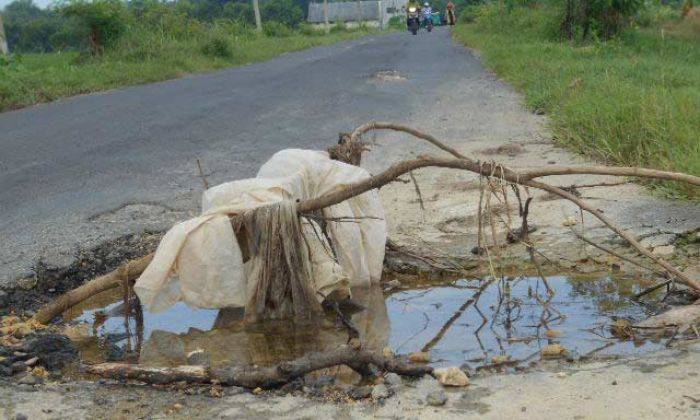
x=40 y=3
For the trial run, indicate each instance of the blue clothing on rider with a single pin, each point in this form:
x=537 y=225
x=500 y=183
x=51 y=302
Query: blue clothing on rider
x=427 y=12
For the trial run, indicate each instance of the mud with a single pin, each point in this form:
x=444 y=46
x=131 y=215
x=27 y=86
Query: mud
x=52 y=281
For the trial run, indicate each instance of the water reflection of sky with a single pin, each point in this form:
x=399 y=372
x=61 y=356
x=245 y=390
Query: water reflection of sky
x=579 y=314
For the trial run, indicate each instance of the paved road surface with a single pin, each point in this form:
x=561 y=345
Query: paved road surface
x=81 y=170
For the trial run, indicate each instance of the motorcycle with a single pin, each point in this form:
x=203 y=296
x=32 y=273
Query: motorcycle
x=413 y=20
x=428 y=23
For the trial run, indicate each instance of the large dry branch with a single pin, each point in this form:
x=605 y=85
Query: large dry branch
x=458 y=161
x=263 y=377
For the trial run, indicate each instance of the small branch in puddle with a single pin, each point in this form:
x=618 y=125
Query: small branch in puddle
x=262 y=377
x=472 y=300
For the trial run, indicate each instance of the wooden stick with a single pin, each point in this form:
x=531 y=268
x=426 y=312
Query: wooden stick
x=259 y=376
x=131 y=269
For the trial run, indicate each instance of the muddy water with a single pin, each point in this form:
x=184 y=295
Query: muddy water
x=460 y=322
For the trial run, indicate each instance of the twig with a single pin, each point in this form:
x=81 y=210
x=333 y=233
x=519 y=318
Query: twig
x=474 y=298
x=420 y=196
x=201 y=175
x=611 y=252
x=651 y=289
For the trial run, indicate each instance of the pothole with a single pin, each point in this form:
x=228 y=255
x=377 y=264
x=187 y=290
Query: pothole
x=476 y=324
x=389 y=76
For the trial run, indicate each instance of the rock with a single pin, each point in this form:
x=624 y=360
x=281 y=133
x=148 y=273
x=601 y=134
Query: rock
x=18 y=367
x=451 y=376
x=32 y=361
x=569 y=221
x=31 y=379
x=500 y=359
x=552 y=333
x=393 y=284
x=258 y=391
x=360 y=392
x=393 y=379
x=466 y=368
x=419 y=357
x=20 y=416
x=27 y=283
x=380 y=392
x=553 y=351
x=663 y=251
x=658 y=240
x=436 y=398
x=5 y=371
x=198 y=357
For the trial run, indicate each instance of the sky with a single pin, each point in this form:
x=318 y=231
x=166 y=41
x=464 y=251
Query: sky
x=40 y=3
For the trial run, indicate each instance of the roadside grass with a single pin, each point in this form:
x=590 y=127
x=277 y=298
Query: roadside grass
x=633 y=100
x=28 y=79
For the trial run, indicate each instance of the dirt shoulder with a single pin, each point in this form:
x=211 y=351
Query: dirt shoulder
x=662 y=385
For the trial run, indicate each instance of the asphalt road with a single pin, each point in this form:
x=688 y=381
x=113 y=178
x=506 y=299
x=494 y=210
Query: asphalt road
x=81 y=170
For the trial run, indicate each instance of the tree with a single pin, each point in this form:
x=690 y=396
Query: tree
x=3 y=40
x=256 y=10
x=105 y=21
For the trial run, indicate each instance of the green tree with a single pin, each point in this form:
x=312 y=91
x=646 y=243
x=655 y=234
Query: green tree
x=105 y=21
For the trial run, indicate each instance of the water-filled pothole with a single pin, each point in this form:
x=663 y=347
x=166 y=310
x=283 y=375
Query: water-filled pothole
x=472 y=322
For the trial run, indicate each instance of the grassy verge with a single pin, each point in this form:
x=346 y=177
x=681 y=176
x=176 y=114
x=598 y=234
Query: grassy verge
x=34 y=78
x=634 y=100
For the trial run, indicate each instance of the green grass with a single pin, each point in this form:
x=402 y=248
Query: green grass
x=633 y=100
x=33 y=78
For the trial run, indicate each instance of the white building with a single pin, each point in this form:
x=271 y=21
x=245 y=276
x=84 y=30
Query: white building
x=373 y=12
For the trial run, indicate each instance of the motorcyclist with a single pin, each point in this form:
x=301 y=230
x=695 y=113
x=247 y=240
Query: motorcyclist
x=412 y=4
x=427 y=12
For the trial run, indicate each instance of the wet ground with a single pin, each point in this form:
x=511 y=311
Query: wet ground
x=469 y=323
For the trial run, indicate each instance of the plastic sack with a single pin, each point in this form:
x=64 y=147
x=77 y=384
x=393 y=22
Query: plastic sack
x=200 y=262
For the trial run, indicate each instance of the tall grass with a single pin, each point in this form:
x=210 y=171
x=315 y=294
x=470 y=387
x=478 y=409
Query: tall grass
x=144 y=56
x=633 y=100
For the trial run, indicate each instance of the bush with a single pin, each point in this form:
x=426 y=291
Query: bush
x=468 y=14
x=600 y=18
x=397 y=22
x=655 y=13
x=103 y=21
x=286 y=12
x=276 y=29
x=218 y=46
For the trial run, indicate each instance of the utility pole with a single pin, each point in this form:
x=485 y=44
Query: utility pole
x=258 y=21
x=4 y=50
x=326 y=25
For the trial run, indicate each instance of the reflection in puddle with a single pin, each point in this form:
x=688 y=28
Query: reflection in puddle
x=458 y=322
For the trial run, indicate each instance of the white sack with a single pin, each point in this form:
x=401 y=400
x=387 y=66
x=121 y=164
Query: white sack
x=199 y=261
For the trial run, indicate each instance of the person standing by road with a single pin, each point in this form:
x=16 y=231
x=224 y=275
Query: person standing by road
x=450 y=13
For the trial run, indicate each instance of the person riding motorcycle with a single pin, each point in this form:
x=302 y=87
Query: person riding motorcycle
x=427 y=11
x=413 y=14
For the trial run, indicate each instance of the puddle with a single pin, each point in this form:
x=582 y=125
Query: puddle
x=510 y=317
